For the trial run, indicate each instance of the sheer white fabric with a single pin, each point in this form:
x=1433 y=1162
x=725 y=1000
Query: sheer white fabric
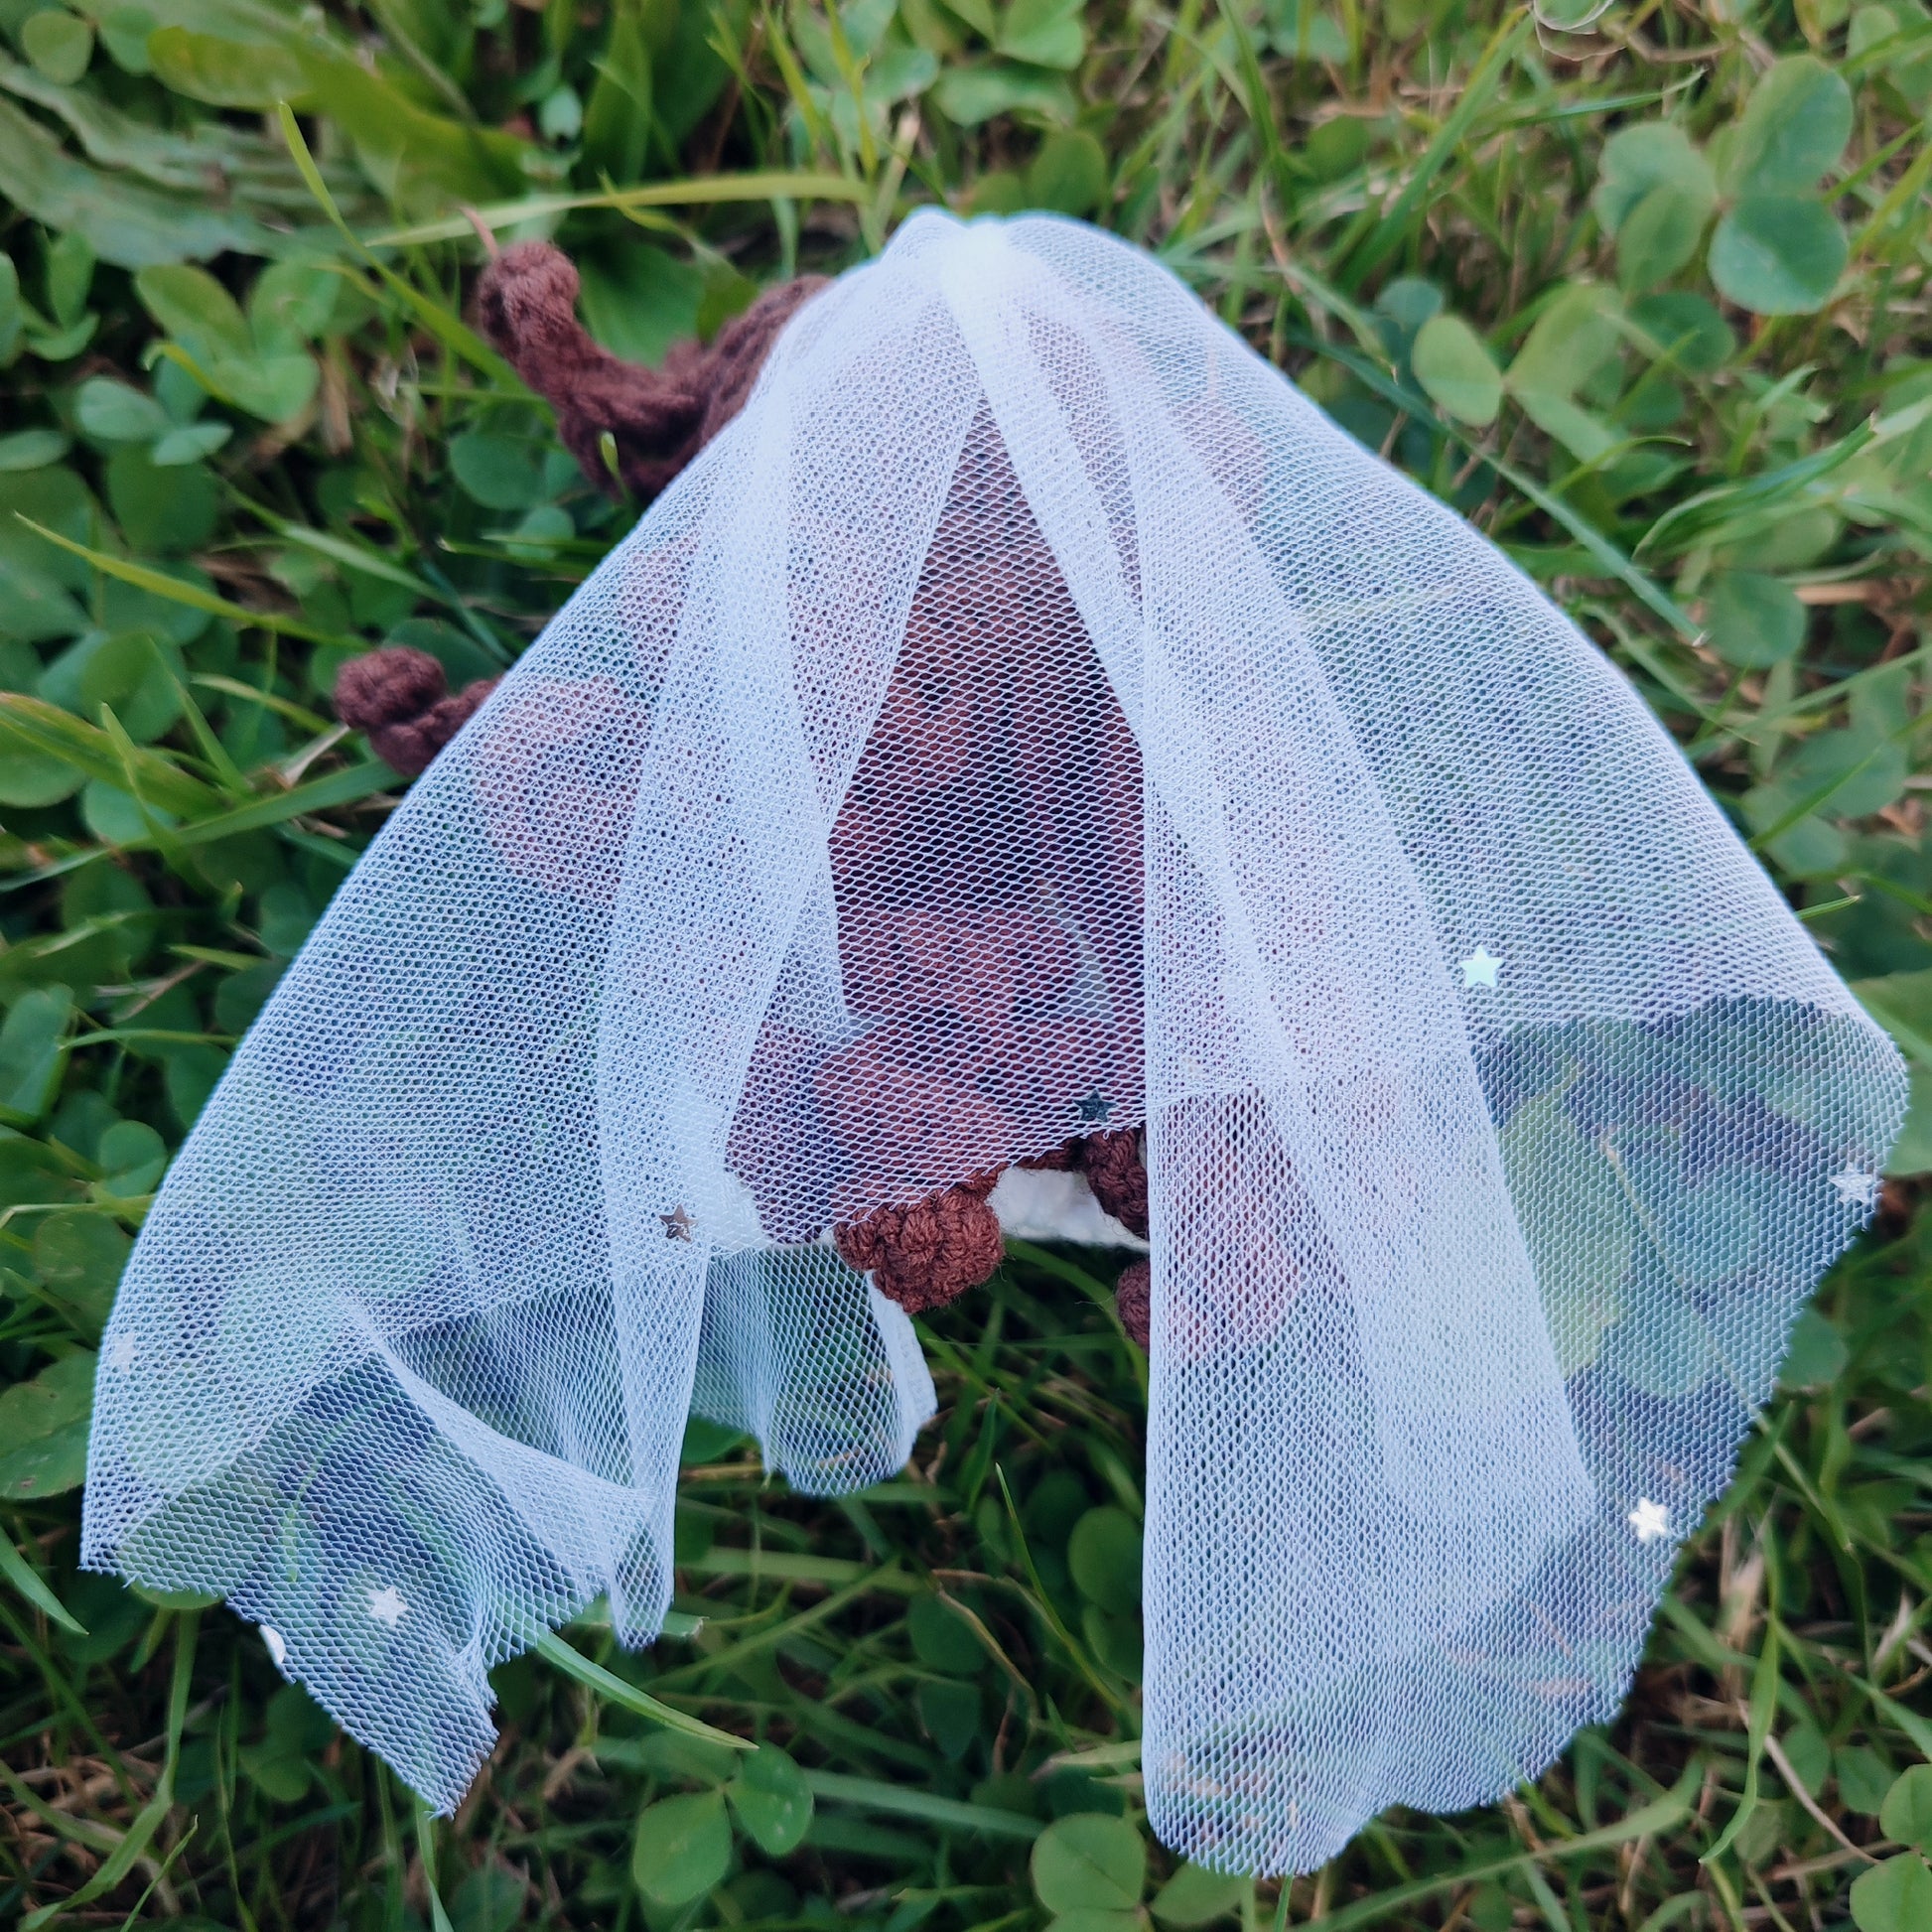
x=1030 y=711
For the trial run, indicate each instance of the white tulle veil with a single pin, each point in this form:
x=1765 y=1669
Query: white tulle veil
x=1498 y=1114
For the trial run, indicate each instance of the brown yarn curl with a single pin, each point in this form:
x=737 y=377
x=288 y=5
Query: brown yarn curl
x=400 y=697
x=923 y=1254
x=1132 y=1299
x=658 y=419
x=1117 y=1175
x=928 y=1252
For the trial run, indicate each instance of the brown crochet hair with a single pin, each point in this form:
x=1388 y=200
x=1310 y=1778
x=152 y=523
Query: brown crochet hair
x=399 y=697
x=922 y=1254
x=657 y=421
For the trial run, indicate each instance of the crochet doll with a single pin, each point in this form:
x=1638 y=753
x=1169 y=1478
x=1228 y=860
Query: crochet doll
x=1026 y=718
x=927 y=1252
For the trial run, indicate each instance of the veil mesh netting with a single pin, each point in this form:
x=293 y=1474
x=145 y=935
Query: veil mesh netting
x=1498 y=1114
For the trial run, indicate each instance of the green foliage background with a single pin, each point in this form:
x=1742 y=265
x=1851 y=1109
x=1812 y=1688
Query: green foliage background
x=1641 y=289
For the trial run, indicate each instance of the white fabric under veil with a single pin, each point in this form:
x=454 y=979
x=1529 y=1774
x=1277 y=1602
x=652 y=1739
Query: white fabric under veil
x=1498 y=1114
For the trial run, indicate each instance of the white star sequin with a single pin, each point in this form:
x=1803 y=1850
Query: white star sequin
x=120 y=1356
x=1480 y=968
x=1855 y=1188
x=386 y=1606
x=278 y=1651
x=1649 y=1520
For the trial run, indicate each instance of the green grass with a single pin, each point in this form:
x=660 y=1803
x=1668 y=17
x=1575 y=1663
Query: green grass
x=1681 y=376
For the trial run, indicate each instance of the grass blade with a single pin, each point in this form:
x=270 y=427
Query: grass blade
x=27 y=1579
x=594 y=1677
